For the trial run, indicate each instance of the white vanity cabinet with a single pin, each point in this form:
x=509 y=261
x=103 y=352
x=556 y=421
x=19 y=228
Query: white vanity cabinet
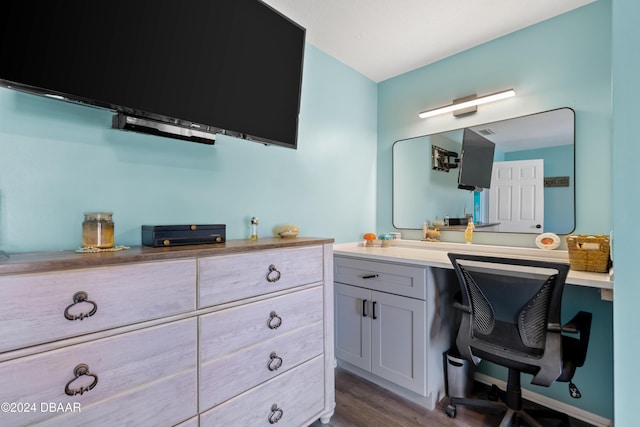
x=392 y=325
x=233 y=334
x=382 y=333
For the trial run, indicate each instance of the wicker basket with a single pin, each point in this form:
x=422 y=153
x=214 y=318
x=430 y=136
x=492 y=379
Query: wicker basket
x=589 y=253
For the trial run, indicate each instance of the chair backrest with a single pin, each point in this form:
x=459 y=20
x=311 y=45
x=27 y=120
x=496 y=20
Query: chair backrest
x=511 y=313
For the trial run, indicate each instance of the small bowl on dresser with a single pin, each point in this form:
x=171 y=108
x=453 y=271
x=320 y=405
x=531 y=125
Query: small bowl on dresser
x=287 y=231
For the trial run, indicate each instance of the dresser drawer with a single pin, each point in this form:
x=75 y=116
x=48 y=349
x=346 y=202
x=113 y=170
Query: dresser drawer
x=38 y=308
x=141 y=366
x=163 y=403
x=392 y=278
x=233 y=277
x=230 y=375
x=289 y=399
x=229 y=330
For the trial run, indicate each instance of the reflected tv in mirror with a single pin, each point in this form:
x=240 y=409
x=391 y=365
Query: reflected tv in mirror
x=476 y=162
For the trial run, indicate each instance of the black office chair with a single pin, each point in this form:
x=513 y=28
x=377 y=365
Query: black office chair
x=511 y=317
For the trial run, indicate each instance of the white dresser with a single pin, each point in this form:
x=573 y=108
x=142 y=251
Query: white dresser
x=234 y=334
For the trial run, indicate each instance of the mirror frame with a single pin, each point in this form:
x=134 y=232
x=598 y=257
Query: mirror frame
x=570 y=217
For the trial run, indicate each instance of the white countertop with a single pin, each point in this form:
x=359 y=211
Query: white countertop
x=434 y=254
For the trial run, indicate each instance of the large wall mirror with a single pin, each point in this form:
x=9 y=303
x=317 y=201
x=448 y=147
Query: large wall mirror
x=540 y=146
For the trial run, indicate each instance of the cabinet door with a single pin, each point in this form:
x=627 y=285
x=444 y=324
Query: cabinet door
x=398 y=343
x=353 y=325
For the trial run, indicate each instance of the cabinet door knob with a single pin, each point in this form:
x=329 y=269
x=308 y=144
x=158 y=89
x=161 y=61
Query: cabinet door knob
x=364 y=308
x=273 y=275
x=275 y=362
x=82 y=370
x=373 y=316
x=276 y=414
x=79 y=298
x=274 y=320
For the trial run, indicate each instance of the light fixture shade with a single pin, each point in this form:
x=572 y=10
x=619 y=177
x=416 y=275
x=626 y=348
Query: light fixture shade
x=466 y=104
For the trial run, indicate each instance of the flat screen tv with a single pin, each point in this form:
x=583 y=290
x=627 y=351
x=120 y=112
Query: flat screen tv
x=476 y=162
x=219 y=66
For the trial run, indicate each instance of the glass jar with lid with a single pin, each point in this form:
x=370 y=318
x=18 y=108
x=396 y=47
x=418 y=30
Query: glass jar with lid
x=97 y=230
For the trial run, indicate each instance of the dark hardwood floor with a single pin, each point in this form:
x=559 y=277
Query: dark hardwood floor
x=360 y=403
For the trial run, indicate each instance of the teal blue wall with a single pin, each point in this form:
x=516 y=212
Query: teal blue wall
x=58 y=160
x=626 y=205
x=561 y=62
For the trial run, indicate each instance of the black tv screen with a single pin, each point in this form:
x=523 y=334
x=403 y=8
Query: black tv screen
x=476 y=161
x=231 y=65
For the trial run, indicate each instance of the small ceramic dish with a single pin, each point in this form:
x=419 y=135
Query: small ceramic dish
x=286 y=231
x=548 y=241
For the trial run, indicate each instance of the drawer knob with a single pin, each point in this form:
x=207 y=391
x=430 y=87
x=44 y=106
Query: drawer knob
x=82 y=370
x=274 y=320
x=275 y=362
x=79 y=298
x=276 y=414
x=273 y=275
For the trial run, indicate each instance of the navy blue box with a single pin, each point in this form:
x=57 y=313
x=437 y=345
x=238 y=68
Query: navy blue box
x=176 y=235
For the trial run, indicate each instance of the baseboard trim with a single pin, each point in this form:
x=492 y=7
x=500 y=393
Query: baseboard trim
x=572 y=411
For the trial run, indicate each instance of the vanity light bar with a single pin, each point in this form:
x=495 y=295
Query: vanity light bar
x=466 y=104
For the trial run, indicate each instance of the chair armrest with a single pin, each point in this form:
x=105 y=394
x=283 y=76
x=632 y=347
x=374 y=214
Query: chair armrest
x=459 y=306
x=581 y=323
x=457 y=303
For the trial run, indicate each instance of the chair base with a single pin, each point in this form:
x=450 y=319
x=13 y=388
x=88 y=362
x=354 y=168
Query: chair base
x=514 y=415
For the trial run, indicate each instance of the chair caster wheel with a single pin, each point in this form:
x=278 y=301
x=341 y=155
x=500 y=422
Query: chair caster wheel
x=451 y=411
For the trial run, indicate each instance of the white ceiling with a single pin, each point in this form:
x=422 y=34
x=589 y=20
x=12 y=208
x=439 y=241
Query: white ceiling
x=384 y=38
